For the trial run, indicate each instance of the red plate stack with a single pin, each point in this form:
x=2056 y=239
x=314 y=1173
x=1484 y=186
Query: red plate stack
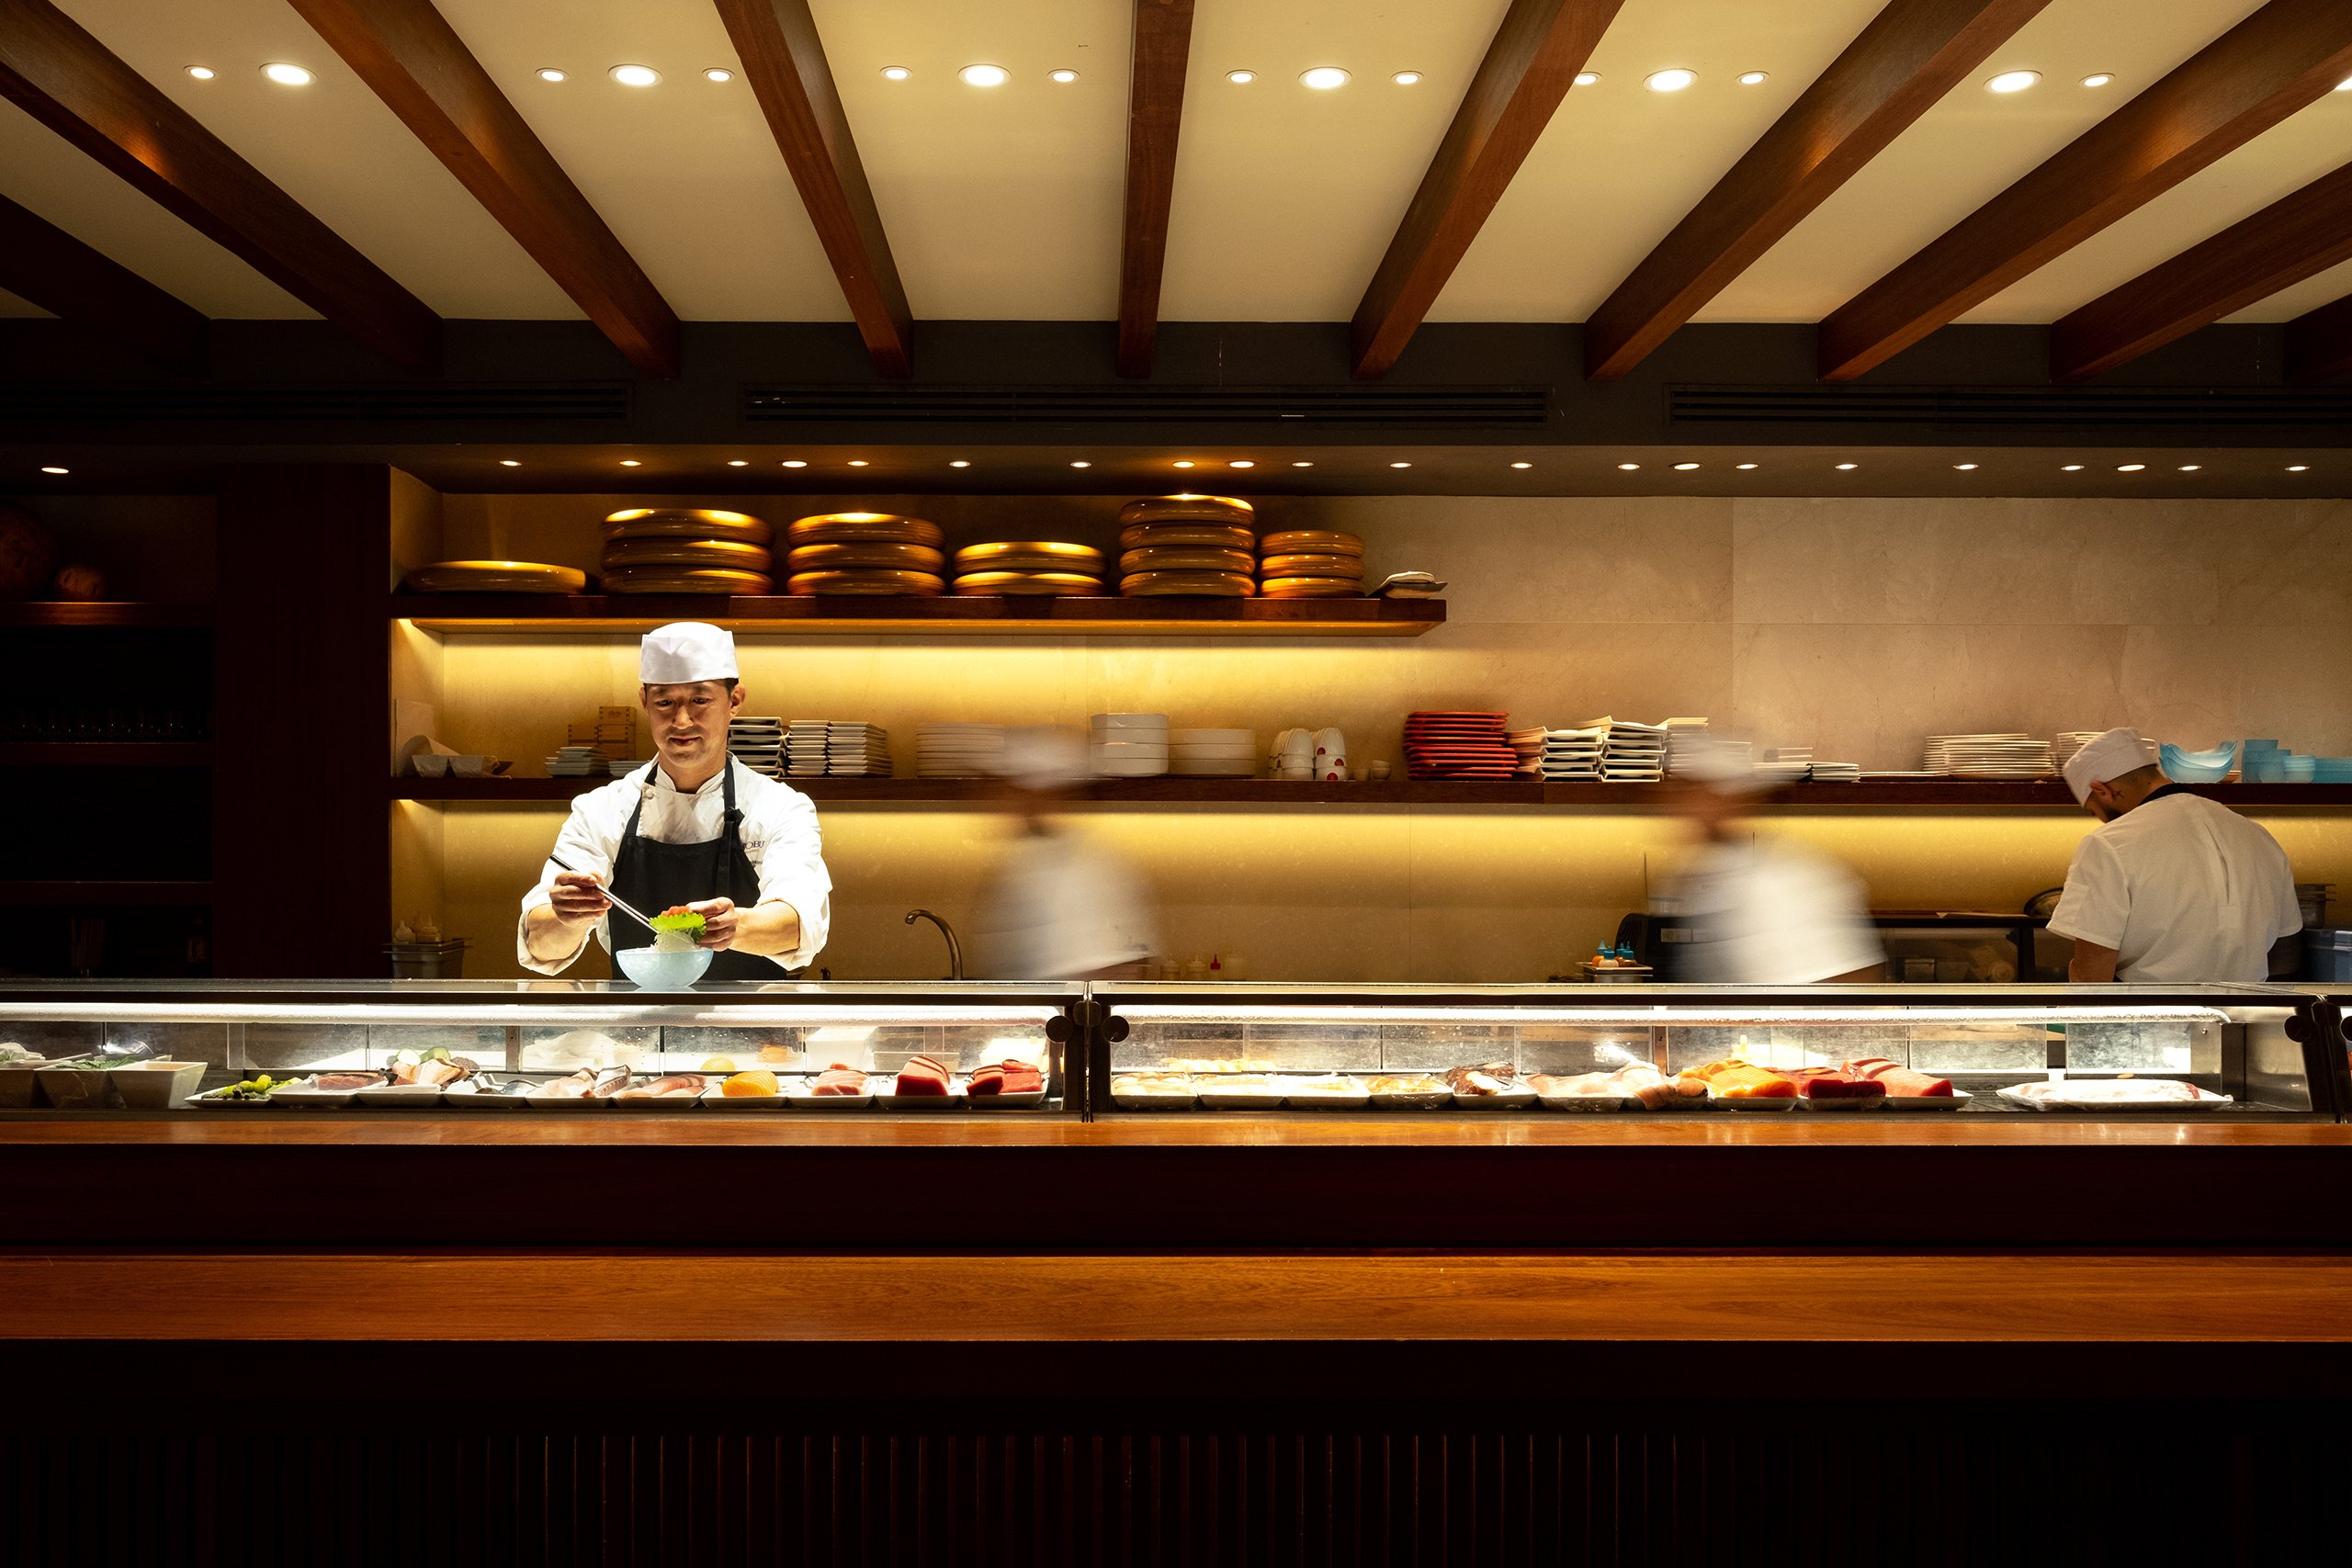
x=1458 y=746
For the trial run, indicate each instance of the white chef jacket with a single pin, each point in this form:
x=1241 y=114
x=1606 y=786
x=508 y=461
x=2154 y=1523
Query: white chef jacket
x=1772 y=914
x=779 y=832
x=2183 y=889
x=1062 y=908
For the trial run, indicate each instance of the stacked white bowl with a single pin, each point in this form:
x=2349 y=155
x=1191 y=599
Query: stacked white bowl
x=1213 y=754
x=1128 y=745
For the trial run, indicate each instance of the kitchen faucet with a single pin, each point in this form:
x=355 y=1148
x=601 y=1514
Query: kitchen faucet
x=954 y=948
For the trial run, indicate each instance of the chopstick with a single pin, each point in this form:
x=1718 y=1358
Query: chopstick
x=610 y=896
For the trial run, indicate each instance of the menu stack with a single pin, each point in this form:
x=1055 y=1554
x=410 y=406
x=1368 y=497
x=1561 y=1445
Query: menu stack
x=1458 y=745
x=1188 y=544
x=1633 y=753
x=681 y=549
x=1037 y=566
x=1310 y=563
x=853 y=749
x=959 y=750
x=866 y=553
x=758 y=744
x=805 y=745
x=1990 y=757
x=1573 y=754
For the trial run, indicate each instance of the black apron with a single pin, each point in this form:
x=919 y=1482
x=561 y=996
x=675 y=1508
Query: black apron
x=655 y=877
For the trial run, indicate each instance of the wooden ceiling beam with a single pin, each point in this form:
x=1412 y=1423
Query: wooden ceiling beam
x=2285 y=56
x=1162 y=49
x=42 y=263
x=56 y=72
x=2297 y=237
x=1529 y=67
x=783 y=60
x=2319 y=342
x=407 y=53
x=1896 y=69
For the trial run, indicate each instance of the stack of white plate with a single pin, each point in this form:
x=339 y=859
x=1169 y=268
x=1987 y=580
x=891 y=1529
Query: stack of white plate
x=758 y=744
x=1836 y=773
x=1785 y=764
x=804 y=748
x=2068 y=741
x=1128 y=745
x=959 y=750
x=1213 y=754
x=574 y=762
x=2007 y=756
x=1570 y=754
x=855 y=748
x=1633 y=753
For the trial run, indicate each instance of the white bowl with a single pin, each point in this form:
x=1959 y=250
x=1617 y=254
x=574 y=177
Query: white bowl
x=1248 y=738
x=469 y=764
x=1214 y=768
x=156 y=1085
x=430 y=764
x=654 y=969
x=1131 y=721
x=1207 y=750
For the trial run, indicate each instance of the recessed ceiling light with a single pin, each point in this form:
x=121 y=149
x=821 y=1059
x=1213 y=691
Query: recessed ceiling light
x=795 y=463
x=2072 y=469
x=738 y=463
x=1963 y=468
x=1672 y=80
x=959 y=462
x=53 y=468
x=1241 y=78
x=1754 y=78
x=1405 y=78
x=1184 y=462
x=984 y=75
x=2299 y=468
x=1064 y=75
x=857 y=463
x=1743 y=465
x=202 y=73
x=2012 y=81
x=1685 y=468
x=1843 y=467
x=1242 y=463
x=895 y=73
x=287 y=75
x=1522 y=464
x=2098 y=78
x=509 y=463
x=1587 y=78
x=549 y=74
x=719 y=73
x=1628 y=467
x=630 y=463
x=1302 y=463
x=2191 y=468
x=1323 y=78
x=636 y=75
x=2129 y=468
x=1401 y=464
x=1081 y=463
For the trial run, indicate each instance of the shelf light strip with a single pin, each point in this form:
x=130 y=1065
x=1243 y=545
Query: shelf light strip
x=393 y=1012
x=1665 y=1012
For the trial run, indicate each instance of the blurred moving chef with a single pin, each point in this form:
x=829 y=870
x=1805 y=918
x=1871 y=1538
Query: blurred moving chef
x=2172 y=886
x=695 y=828
x=1762 y=912
x=1059 y=906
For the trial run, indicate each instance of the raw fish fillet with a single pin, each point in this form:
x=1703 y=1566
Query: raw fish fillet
x=1836 y=1083
x=1006 y=1078
x=839 y=1079
x=1901 y=1080
x=1735 y=1079
x=923 y=1074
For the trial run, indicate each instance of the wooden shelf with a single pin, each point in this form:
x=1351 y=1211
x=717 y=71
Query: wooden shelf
x=849 y=615
x=105 y=753
x=1923 y=795
x=106 y=894
x=102 y=612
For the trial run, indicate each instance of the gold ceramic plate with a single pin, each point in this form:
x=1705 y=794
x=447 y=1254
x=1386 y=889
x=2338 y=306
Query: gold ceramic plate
x=1312 y=566
x=1222 y=509
x=1307 y=541
x=1029 y=555
x=688 y=522
x=1311 y=588
x=863 y=581
x=495 y=576
x=895 y=558
x=686 y=579
x=1185 y=557
x=724 y=553
x=1056 y=583
x=1211 y=535
x=873 y=527
x=1213 y=584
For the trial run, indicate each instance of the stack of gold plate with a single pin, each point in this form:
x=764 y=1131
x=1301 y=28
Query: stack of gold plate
x=1030 y=566
x=1193 y=545
x=1310 y=563
x=867 y=552
x=495 y=576
x=684 y=549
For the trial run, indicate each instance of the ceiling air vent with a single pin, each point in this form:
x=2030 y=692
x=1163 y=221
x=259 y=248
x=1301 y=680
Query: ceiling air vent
x=448 y=402
x=1147 y=405
x=2239 y=409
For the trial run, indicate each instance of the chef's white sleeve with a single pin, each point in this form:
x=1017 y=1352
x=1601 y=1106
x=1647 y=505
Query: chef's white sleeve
x=793 y=870
x=2286 y=908
x=587 y=843
x=2097 y=902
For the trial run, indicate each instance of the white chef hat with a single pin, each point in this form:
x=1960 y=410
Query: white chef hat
x=685 y=651
x=2112 y=755
x=1043 y=758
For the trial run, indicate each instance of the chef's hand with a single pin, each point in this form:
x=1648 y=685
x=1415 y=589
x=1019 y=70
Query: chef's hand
x=578 y=898
x=718 y=917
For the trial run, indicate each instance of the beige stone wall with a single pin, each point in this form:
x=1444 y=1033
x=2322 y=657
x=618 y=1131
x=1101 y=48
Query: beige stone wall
x=1857 y=626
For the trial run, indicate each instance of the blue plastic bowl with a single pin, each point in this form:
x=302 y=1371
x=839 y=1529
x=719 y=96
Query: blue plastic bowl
x=2197 y=767
x=2300 y=769
x=658 y=971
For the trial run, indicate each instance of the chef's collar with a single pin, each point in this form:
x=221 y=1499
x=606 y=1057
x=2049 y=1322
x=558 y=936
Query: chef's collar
x=665 y=782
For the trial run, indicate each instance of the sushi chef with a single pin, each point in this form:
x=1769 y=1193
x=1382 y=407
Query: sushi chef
x=2172 y=886
x=693 y=828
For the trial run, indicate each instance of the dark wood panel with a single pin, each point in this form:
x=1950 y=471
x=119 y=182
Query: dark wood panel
x=417 y=65
x=944 y=616
x=105 y=895
x=65 y=78
x=1910 y=55
x=42 y=263
x=102 y=612
x=2296 y=237
x=2319 y=342
x=2287 y=55
x=784 y=61
x=1161 y=49
x=1528 y=69
x=104 y=754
